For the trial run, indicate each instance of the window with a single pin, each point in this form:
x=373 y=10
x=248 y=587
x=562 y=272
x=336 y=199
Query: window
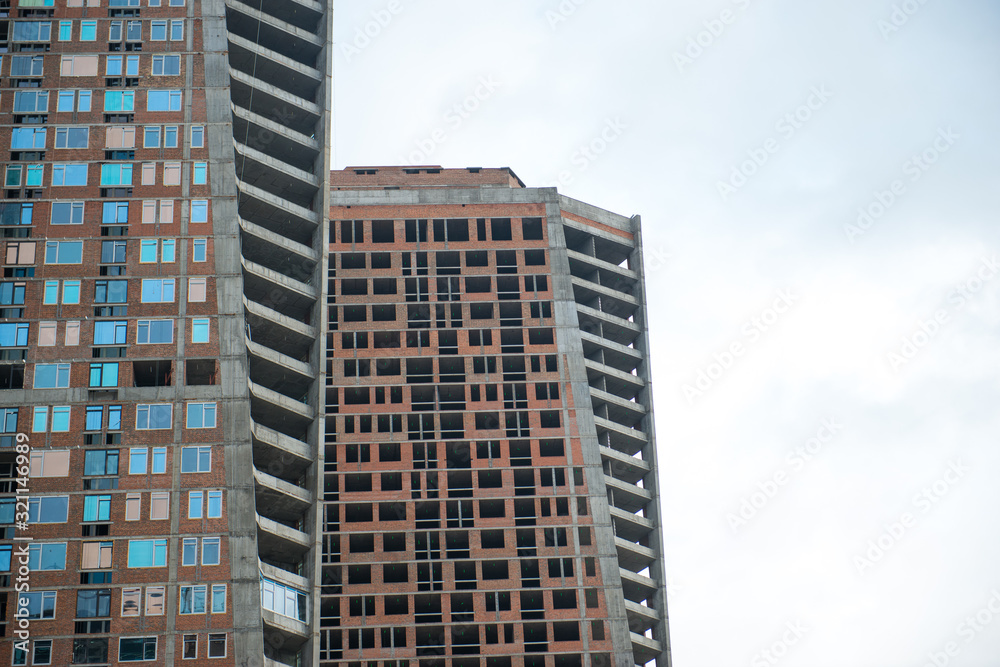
x=218 y=598
x=51 y=556
x=90 y=651
x=113 y=252
x=104 y=374
x=119 y=100
x=26 y=65
x=51 y=376
x=48 y=509
x=151 y=136
x=12 y=294
x=197 y=288
x=199 y=173
x=79 y=65
x=42 y=652
x=13 y=334
x=134 y=649
x=21 y=253
x=171 y=173
x=158 y=290
x=27 y=138
x=168 y=250
x=159 y=460
x=72 y=137
x=97 y=508
x=36 y=605
x=199 y=210
x=63 y=252
x=167 y=65
x=163 y=100
x=101 y=462
x=88 y=31
x=158 y=31
x=159 y=506
x=155 y=332
x=154 y=600
x=127 y=65
x=40 y=419
x=32 y=175
x=190 y=650
x=155 y=416
x=170 y=136
x=216 y=640
x=189 y=551
x=193 y=599
x=137 y=460
x=195 y=504
x=31 y=101
x=73 y=333
x=199 y=250
x=283 y=600
x=214 y=504
x=177 y=30
x=68 y=100
x=96 y=555
x=32 y=31
x=93 y=603
x=40 y=422
x=119 y=136
x=133 y=506
x=197 y=136
x=110 y=332
x=201 y=415
x=147 y=251
x=114 y=213
x=67 y=212
x=131 y=601
x=199 y=330
x=116 y=174
x=69 y=174
x=65 y=31
x=110 y=291
x=196 y=459
x=147 y=553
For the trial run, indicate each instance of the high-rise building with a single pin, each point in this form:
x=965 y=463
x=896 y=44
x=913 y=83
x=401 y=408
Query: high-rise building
x=164 y=217
x=251 y=420
x=490 y=481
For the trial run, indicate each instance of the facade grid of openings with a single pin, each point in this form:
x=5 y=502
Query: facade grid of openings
x=163 y=216
x=489 y=494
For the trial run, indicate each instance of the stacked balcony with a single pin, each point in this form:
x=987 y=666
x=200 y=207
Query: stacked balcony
x=607 y=288
x=278 y=57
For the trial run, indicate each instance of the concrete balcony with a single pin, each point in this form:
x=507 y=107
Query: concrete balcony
x=631 y=556
x=274 y=33
x=610 y=379
x=262 y=98
x=271 y=136
x=609 y=300
x=280 y=500
x=305 y=14
x=285 y=577
x=277 y=331
x=288 y=74
x=641 y=617
x=278 y=371
x=277 y=214
x=639 y=588
x=609 y=353
x=618 y=409
x=627 y=468
x=630 y=526
x=277 y=291
x=621 y=438
x=278 y=411
x=645 y=649
x=583 y=265
x=280 y=543
x=275 y=252
x=627 y=496
x=278 y=454
x=610 y=327
x=271 y=174
x=292 y=633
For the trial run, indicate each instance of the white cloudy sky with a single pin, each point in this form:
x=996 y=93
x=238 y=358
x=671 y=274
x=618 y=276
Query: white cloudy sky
x=716 y=260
